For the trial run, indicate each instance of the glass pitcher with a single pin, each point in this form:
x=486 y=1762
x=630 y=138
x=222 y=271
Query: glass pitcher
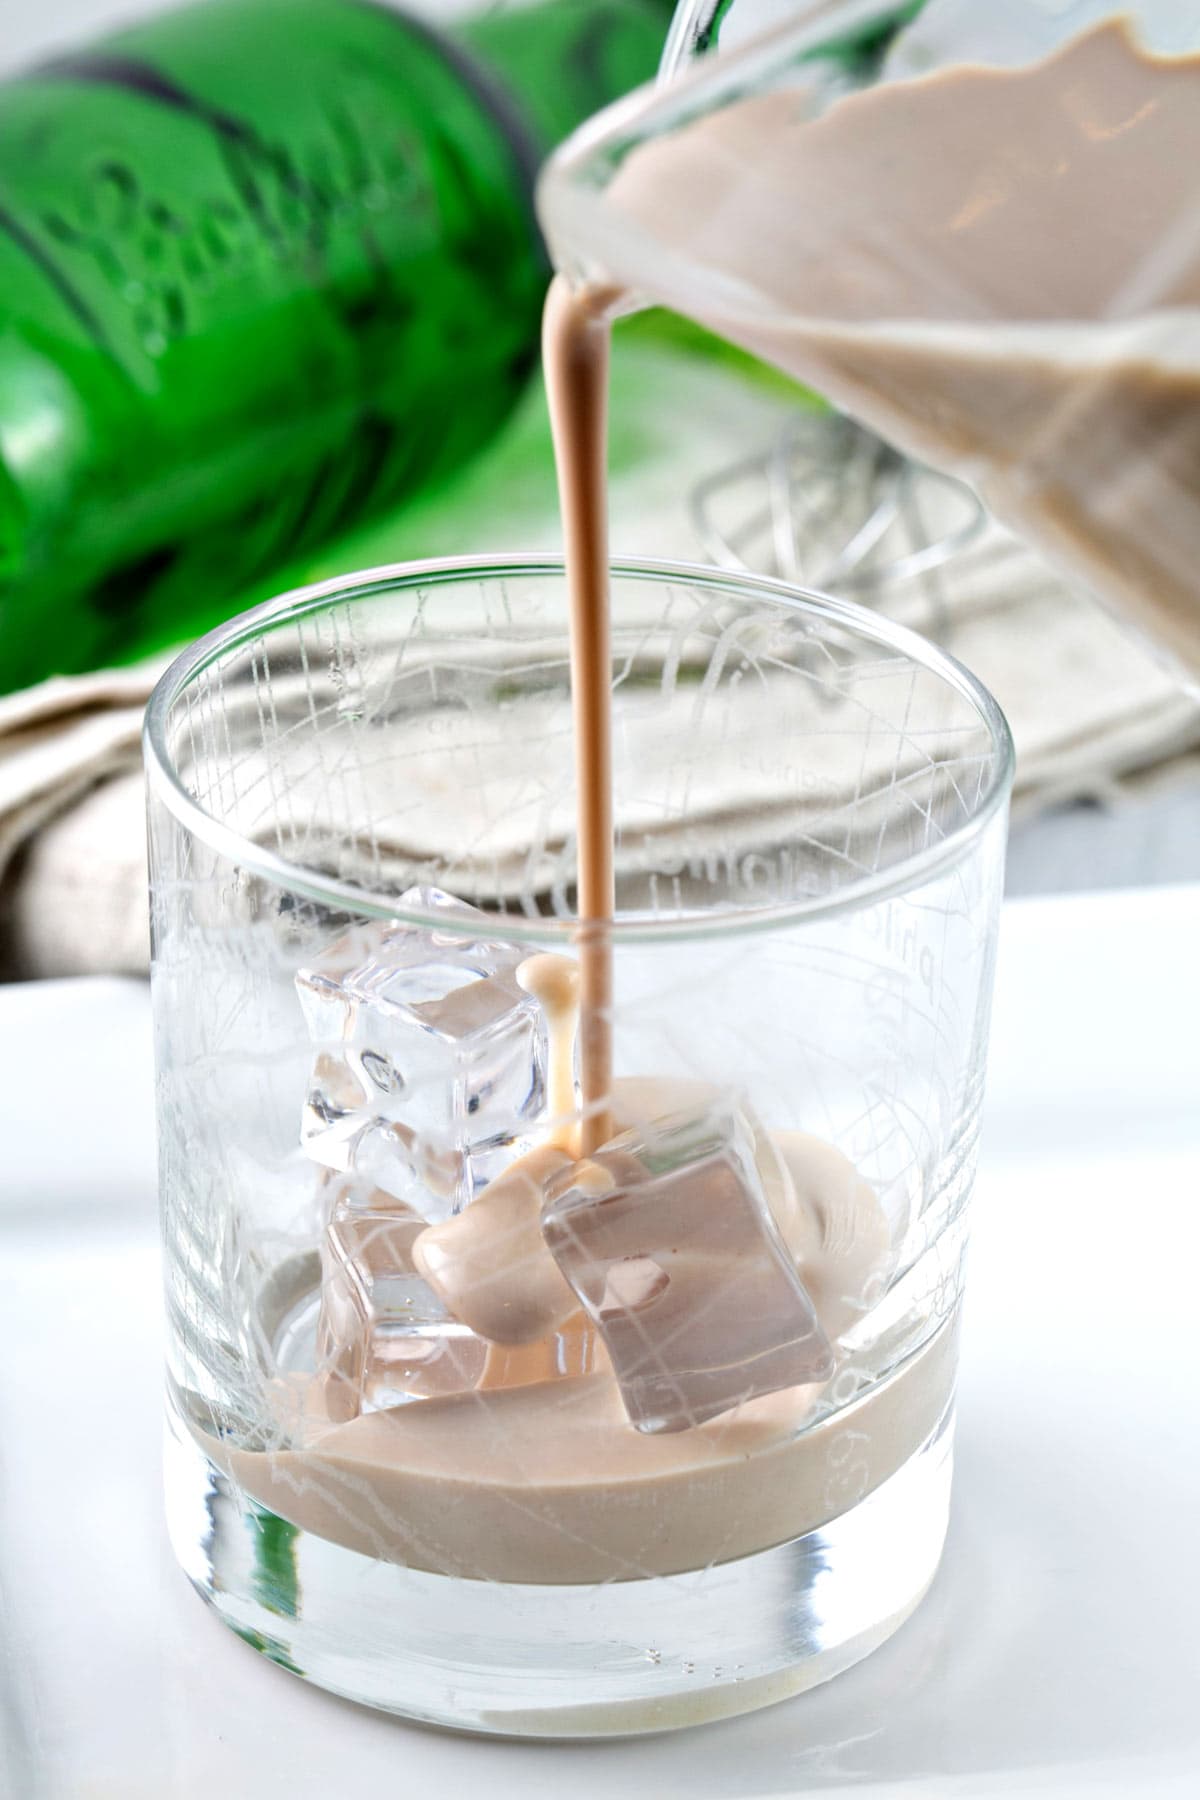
x=975 y=228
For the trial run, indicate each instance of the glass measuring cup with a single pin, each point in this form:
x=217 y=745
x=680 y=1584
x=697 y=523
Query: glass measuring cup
x=976 y=229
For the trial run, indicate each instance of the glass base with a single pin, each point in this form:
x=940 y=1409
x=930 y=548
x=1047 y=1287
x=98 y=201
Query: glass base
x=564 y=1661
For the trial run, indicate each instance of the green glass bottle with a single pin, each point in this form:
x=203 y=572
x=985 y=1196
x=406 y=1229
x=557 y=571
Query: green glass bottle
x=266 y=266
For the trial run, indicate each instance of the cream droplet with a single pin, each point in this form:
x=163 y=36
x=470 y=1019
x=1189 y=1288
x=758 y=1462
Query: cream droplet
x=553 y=981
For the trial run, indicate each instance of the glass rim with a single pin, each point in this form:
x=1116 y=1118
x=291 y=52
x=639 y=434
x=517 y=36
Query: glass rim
x=164 y=782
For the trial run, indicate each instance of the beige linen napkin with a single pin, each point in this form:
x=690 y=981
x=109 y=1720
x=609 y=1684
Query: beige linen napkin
x=72 y=830
x=1089 y=707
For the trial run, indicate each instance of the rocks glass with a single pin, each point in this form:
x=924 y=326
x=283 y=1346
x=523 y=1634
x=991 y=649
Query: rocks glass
x=464 y=1424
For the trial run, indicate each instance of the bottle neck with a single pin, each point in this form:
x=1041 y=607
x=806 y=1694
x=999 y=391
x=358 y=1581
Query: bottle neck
x=560 y=61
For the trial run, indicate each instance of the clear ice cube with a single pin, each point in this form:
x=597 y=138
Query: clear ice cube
x=384 y=1337
x=430 y=1059
x=667 y=1237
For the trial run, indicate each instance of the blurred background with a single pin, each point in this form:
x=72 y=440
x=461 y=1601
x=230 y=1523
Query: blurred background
x=269 y=292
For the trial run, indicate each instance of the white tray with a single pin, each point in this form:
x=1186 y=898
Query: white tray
x=1059 y=1651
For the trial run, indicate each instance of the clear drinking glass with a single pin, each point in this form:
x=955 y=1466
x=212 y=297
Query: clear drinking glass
x=811 y=810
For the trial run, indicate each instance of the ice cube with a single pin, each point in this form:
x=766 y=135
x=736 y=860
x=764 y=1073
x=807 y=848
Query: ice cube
x=668 y=1239
x=430 y=1059
x=384 y=1337
x=574 y=1348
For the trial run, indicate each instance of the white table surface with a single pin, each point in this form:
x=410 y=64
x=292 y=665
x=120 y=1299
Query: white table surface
x=1059 y=1651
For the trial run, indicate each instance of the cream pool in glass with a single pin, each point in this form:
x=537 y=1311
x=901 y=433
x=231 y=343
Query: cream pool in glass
x=479 y=1411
